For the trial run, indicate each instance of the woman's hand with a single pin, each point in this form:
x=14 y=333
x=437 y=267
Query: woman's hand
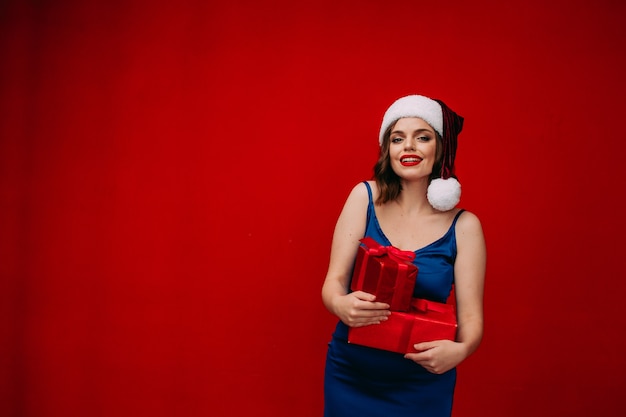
x=438 y=356
x=360 y=309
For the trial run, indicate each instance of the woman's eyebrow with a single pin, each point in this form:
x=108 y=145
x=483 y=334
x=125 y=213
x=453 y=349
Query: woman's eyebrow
x=415 y=131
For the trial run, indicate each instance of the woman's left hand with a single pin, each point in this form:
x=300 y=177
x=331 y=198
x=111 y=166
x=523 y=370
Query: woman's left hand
x=438 y=356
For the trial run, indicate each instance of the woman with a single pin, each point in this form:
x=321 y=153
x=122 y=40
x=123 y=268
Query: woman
x=410 y=205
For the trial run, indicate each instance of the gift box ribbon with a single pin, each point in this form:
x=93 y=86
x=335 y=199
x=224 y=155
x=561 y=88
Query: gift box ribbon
x=376 y=249
x=424 y=306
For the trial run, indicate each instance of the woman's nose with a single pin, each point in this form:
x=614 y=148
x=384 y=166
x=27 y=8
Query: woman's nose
x=409 y=144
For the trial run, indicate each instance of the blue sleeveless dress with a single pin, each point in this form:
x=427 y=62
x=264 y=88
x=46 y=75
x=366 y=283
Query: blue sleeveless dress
x=366 y=382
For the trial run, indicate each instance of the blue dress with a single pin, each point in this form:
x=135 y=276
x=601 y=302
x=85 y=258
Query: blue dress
x=366 y=382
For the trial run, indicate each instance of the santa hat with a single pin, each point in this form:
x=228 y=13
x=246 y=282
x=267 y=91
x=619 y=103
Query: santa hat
x=444 y=192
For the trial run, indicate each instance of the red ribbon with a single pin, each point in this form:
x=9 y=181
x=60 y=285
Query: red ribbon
x=376 y=249
x=424 y=306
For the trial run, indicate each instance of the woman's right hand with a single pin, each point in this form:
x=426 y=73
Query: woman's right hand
x=359 y=309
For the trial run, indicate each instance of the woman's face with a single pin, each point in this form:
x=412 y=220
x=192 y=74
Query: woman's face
x=412 y=148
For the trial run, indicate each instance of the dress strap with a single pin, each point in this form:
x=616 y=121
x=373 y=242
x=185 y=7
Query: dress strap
x=369 y=190
x=456 y=218
x=371 y=214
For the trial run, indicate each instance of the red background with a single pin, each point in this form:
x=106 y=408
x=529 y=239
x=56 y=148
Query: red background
x=170 y=176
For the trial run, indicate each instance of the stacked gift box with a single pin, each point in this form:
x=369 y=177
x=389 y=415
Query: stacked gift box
x=388 y=273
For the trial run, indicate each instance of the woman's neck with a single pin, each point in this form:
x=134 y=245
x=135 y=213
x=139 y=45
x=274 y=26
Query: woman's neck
x=412 y=198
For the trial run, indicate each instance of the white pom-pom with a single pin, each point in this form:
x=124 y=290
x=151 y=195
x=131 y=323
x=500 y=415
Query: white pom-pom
x=444 y=195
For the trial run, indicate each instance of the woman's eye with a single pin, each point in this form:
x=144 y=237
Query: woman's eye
x=423 y=138
x=396 y=140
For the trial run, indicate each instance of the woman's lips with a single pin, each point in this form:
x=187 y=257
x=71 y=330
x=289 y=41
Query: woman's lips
x=410 y=160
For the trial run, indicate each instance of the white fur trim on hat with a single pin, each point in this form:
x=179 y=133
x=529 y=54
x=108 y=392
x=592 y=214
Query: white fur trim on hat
x=444 y=195
x=413 y=106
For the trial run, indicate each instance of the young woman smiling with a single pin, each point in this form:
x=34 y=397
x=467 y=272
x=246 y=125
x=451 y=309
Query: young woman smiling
x=411 y=205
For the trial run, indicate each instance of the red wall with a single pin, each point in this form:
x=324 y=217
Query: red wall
x=170 y=175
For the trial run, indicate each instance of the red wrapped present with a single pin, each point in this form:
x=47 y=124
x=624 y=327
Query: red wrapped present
x=427 y=321
x=386 y=272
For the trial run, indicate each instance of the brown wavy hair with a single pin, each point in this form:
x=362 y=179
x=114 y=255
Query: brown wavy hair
x=387 y=180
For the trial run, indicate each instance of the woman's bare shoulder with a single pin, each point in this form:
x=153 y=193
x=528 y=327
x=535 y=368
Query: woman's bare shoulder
x=359 y=191
x=469 y=223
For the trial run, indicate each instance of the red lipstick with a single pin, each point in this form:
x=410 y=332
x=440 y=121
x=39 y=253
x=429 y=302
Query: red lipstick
x=410 y=160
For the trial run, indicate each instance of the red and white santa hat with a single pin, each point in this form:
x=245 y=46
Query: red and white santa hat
x=444 y=192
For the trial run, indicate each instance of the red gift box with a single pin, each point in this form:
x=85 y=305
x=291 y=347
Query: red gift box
x=427 y=321
x=386 y=272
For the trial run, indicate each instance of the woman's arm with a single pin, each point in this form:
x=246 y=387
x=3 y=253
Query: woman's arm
x=469 y=277
x=357 y=308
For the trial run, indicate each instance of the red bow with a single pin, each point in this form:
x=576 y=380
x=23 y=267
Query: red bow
x=376 y=249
